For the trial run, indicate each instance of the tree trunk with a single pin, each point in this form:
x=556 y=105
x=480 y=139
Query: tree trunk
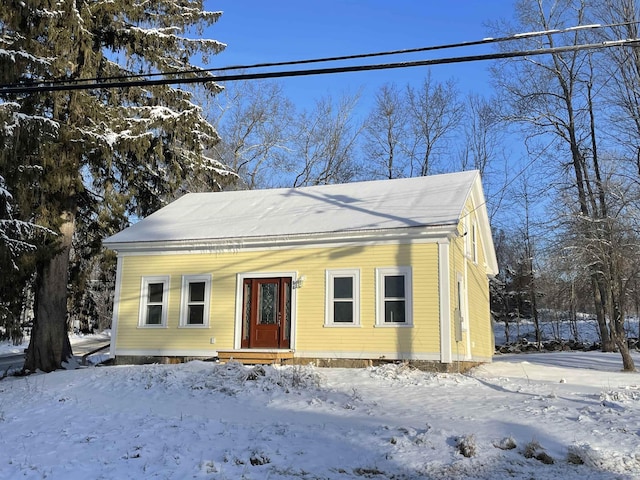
x=616 y=327
x=628 y=364
x=507 y=333
x=607 y=343
x=49 y=346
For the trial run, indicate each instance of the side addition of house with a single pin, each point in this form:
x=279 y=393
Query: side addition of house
x=338 y=274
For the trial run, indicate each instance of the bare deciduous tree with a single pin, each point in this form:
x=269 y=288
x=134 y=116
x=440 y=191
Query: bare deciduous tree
x=483 y=139
x=622 y=66
x=254 y=121
x=553 y=96
x=385 y=133
x=435 y=112
x=484 y=147
x=323 y=146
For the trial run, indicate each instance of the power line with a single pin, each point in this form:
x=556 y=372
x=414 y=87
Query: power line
x=484 y=41
x=317 y=71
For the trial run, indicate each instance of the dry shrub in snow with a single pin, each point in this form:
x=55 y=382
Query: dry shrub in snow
x=507 y=443
x=298 y=377
x=575 y=455
x=399 y=371
x=466 y=445
x=604 y=460
x=259 y=458
x=266 y=377
x=613 y=397
x=253 y=374
x=231 y=379
x=391 y=370
x=534 y=450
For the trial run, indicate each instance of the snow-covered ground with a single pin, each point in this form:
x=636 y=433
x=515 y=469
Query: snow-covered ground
x=213 y=421
x=77 y=341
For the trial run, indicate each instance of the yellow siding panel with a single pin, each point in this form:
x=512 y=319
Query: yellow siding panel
x=480 y=345
x=311 y=333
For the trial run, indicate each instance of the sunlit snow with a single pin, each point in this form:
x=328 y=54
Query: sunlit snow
x=213 y=421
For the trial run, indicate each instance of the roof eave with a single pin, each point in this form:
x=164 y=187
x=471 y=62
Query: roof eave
x=428 y=232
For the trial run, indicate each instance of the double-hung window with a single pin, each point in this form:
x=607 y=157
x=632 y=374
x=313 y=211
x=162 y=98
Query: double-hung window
x=393 y=288
x=196 y=292
x=342 y=298
x=154 y=302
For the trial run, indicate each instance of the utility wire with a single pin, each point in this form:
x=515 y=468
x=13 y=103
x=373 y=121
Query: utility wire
x=317 y=71
x=484 y=41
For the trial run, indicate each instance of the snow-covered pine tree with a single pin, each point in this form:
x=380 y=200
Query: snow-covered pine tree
x=17 y=238
x=105 y=153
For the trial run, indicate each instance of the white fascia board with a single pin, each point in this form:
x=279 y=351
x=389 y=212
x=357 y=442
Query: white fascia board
x=233 y=245
x=485 y=228
x=444 y=289
x=116 y=309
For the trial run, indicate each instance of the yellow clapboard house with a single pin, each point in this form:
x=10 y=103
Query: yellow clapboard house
x=349 y=274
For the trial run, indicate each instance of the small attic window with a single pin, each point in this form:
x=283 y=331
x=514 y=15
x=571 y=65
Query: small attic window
x=474 y=242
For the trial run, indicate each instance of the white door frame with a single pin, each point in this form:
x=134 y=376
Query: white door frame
x=240 y=277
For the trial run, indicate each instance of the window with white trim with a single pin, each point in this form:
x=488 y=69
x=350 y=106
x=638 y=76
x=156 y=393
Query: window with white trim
x=343 y=297
x=393 y=288
x=466 y=233
x=474 y=242
x=154 y=301
x=194 y=305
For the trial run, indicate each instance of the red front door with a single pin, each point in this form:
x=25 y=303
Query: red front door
x=266 y=312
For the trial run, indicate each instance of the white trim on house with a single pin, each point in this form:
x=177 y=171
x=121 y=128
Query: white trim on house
x=116 y=308
x=474 y=242
x=184 y=300
x=165 y=280
x=428 y=234
x=381 y=273
x=360 y=355
x=466 y=241
x=444 y=287
x=237 y=335
x=329 y=354
x=330 y=275
x=159 y=352
x=482 y=218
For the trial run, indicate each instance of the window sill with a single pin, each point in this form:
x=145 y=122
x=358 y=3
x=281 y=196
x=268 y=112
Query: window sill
x=342 y=325
x=393 y=325
x=152 y=326
x=193 y=326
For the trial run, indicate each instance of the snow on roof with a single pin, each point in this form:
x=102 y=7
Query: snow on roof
x=374 y=205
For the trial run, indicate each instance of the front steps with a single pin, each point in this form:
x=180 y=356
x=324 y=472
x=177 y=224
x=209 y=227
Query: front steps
x=256 y=357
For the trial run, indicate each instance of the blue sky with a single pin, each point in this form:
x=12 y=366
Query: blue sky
x=261 y=31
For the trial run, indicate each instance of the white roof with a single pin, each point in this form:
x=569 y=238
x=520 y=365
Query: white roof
x=436 y=200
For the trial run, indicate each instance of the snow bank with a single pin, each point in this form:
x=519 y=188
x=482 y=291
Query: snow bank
x=206 y=420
